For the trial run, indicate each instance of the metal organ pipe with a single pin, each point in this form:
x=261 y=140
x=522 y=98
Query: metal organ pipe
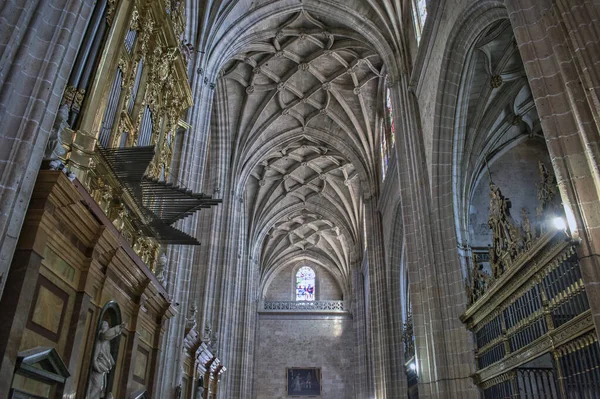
x=111 y=109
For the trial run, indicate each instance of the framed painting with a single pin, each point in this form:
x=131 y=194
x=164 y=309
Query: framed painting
x=303 y=381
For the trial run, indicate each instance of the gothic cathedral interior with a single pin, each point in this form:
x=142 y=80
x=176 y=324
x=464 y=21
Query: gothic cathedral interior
x=340 y=199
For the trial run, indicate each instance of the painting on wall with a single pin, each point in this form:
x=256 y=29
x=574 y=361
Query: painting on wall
x=303 y=381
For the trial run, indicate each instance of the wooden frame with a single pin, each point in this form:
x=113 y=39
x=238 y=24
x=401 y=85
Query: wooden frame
x=53 y=289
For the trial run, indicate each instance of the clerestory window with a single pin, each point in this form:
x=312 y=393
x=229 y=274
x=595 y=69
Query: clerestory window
x=419 y=16
x=305 y=284
x=388 y=139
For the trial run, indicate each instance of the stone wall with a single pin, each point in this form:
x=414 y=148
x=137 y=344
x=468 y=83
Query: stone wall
x=286 y=341
x=429 y=64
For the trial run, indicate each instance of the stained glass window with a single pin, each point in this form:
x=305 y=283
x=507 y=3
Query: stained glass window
x=384 y=155
x=364 y=229
x=419 y=16
x=389 y=113
x=305 y=284
x=388 y=139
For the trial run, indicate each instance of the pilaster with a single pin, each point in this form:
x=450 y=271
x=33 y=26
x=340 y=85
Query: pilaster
x=386 y=351
x=559 y=44
x=38 y=42
x=443 y=347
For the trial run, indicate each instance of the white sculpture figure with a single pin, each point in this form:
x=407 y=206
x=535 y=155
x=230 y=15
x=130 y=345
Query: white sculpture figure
x=214 y=343
x=102 y=361
x=191 y=320
x=54 y=148
x=161 y=269
x=200 y=388
x=206 y=337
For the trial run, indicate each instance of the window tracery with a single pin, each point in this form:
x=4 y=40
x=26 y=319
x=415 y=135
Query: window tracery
x=419 y=16
x=388 y=140
x=305 y=284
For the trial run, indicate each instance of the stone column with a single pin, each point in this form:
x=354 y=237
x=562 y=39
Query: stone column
x=156 y=373
x=386 y=347
x=168 y=375
x=363 y=385
x=226 y=276
x=559 y=42
x=38 y=44
x=189 y=170
x=443 y=346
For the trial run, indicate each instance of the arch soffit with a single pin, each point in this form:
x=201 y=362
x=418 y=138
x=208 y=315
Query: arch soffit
x=231 y=42
x=467 y=30
x=321 y=209
x=259 y=151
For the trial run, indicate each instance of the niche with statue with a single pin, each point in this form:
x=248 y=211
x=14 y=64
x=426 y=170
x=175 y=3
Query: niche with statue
x=105 y=354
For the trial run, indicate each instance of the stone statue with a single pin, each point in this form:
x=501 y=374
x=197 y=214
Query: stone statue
x=161 y=269
x=207 y=336
x=200 y=388
x=102 y=361
x=54 y=147
x=214 y=343
x=191 y=320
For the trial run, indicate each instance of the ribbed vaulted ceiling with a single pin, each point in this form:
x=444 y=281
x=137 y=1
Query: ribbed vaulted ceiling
x=307 y=98
x=497 y=112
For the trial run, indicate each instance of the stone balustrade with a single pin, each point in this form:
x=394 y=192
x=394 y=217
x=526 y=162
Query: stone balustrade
x=304 y=306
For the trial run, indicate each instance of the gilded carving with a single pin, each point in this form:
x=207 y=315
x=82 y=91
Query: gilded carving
x=521 y=262
x=164 y=89
x=504 y=234
x=123 y=66
x=120 y=212
x=187 y=51
x=135 y=20
x=176 y=9
x=163 y=62
x=144 y=40
x=69 y=95
x=110 y=11
x=526 y=225
x=477 y=282
x=496 y=81
x=78 y=100
x=546 y=190
x=408 y=337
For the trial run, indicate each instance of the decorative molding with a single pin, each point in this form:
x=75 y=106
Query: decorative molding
x=33 y=322
x=304 y=306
